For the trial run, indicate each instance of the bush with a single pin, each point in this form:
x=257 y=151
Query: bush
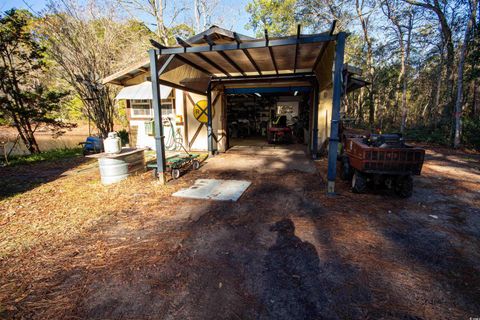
x=471 y=132
x=430 y=135
x=123 y=135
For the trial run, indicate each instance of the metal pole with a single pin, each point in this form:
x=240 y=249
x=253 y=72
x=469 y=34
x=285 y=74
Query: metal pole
x=225 y=122
x=89 y=116
x=315 y=120
x=209 y=119
x=337 y=95
x=157 y=114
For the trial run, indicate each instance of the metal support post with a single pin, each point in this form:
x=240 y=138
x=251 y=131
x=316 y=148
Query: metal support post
x=157 y=113
x=337 y=96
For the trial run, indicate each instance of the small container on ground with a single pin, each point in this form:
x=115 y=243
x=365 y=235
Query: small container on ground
x=117 y=167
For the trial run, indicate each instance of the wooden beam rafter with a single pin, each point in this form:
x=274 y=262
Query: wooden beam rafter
x=270 y=50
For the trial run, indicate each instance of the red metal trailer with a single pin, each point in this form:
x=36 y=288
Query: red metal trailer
x=380 y=160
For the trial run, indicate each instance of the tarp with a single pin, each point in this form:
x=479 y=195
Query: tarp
x=142 y=91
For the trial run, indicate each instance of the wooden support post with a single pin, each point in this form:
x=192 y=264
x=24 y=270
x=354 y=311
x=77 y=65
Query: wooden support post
x=336 y=102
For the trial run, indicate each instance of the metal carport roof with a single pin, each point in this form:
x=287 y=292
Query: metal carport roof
x=192 y=66
x=197 y=68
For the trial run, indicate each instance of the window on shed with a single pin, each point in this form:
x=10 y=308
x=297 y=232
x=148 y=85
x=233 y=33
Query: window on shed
x=167 y=108
x=143 y=108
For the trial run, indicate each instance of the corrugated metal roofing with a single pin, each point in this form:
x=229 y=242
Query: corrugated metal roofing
x=142 y=91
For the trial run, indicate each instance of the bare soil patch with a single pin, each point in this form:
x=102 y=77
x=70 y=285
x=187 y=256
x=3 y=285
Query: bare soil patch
x=72 y=248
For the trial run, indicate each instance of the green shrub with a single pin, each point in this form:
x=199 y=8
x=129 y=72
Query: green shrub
x=430 y=135
x=123 y=135
x=471 y=132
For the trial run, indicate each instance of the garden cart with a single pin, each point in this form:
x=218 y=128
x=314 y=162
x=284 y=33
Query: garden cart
x=176 y=164
x=380 y=160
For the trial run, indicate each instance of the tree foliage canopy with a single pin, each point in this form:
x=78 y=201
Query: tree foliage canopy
x=411 y=53
x=420 y=56
x=25 y=99
x=88 y=46
x=276 y=16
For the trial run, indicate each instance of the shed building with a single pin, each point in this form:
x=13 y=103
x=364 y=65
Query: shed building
x=219 y=88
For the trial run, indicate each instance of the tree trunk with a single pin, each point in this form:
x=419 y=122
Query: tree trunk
x=22 y=135
x=371 y=109
x=27 y=136
x=371 y=70
x=475 y=98
x=449 y=72
x=360 y=105
x=32 y=143
x=459 y=101
x=450 y=59
x=204 y=14
x=402 y=80
x=405 y=64
x=196 y=9
x=436 y=8
x=438 y=86
x=395 y=17
x=31 y=137
x=156 y=7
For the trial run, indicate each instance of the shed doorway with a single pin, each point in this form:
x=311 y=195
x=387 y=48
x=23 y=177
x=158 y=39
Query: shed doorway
x=267 y=117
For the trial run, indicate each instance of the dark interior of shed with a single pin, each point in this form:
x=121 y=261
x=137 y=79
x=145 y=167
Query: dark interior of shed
x=268 y=118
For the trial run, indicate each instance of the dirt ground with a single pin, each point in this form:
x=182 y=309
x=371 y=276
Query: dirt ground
x=72 y=248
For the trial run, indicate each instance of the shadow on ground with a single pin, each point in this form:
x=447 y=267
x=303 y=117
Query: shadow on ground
x=285 y=250
x=292 y=288
x=21 y=178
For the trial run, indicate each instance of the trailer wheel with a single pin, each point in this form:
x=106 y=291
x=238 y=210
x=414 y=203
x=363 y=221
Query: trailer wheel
x=404 y=186
x=175 y=173
x=345 y=170
x=359 y=183
x=196 y=164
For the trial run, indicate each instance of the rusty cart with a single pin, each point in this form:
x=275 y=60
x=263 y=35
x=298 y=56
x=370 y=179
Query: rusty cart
x=380 y=160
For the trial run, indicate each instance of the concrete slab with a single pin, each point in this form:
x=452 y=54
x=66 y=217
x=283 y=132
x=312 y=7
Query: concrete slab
x=270 y=159
x=213 y=189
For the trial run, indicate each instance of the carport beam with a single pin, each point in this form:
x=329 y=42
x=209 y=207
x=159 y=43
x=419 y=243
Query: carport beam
x=157 y=113
x=337 y=95
x=270 y=50
x=213 y=64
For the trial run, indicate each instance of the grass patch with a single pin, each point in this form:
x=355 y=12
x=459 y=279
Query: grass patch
x=50 y=155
